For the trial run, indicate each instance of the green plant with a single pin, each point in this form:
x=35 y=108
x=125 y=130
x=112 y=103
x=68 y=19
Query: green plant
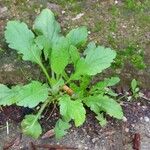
x=72 y=92
x=135 y=89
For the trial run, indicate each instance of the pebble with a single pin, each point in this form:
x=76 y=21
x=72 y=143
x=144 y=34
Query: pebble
x=63 y=12
x=138 y=104
x=116 y=2
x=124 y=119
x=146 y=119
x=94 y=140
x=126 y=129
x=89 y=32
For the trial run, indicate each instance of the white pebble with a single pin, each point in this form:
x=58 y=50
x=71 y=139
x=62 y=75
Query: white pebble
x=138 y=104
x=63 y=12
x=124 y=119
x=116 y=2
x=126 y=129
x=146 y=119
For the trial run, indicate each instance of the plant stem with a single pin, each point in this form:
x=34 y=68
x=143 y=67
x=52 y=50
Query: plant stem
x=40 y=111
x=45 y=72
x=42 y=108
x=53 y=74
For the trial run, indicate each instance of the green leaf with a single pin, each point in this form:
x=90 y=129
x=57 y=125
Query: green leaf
x=133 y=84
x=72 y=110
x=60 y=128
x=102 y=120
x=20 y=38
x=32 y=94
x=29 y=95
x=8 y=96
x=44 y=44
x=60 y=55
x=46 y=25
x=104 y=103
x=111 y=93
x=31 y=127
x=78 y=36
x=95 y=62
x=74 y=54
x=56 y=87
x=112 y=81
x=90 y=46
x=101 y=86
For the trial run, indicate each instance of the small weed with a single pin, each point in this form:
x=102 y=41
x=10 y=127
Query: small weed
x=134 y=89
x=71 y=92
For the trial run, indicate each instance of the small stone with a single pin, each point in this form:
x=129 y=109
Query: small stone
x=126 y=129
x=86 y=148
x=116 y=2
x=89 y=32
x=124 y=119
x=94 y=140
x=63 y=12
x=42 y=116
x=146 y=119
x=133 y=125
x=141 y=118
x=138 y=104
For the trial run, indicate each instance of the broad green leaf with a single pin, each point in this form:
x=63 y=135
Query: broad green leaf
x=133 y=84
x=111 y=92
x=8 y=96
x=32 y=94
x=104 y=103
x=78 y=36
x=72 y=110
x=90 y=46
x=101 y=87
x=31 y=127
x=111 y=107
x=74 y=54
x=29 y=95
x=102 y=120
x=60 y=55
x=60 y=128
x=112 y=81
x=45 y=24
x=95 y=62
x=44 y=44
x=94 y=103
x=20 y=38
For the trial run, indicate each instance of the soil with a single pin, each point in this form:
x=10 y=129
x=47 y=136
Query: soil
x=117 y=135
x=112 y=23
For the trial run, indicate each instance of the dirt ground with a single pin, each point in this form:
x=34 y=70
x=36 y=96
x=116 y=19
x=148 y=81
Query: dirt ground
x=131 y=133
x=113 y=23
